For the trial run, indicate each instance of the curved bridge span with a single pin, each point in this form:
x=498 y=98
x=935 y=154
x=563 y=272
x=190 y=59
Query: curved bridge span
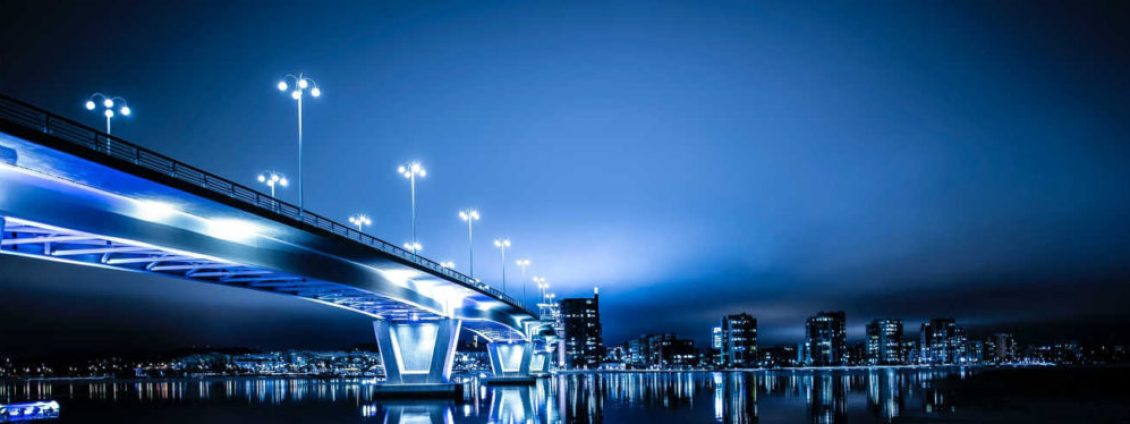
x=73 y=194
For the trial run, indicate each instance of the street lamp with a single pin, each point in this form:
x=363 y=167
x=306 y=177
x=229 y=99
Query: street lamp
x=470 y=216
x=273 y=179
x=361 y=221
x=411 y=171
x=302 y=83
x=542 y=285
x=414 y=247
x=523 y=264
x=108 y=104
x=503 y=244
x=447 y=264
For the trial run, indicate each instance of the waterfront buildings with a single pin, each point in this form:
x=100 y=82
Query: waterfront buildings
x=660 y=351
x=580 y=324
x=1000 y=348
x=942 y=342
x=884 y=342
x=739 y=341
x=826 y=339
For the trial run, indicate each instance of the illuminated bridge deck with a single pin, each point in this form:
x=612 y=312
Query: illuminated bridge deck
x=73 y=194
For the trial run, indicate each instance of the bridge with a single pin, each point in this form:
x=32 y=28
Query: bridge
x=70 y=193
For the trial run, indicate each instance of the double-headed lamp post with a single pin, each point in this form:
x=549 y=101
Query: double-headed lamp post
x=273 y=179
x=470 y=216
x=302 y=83
x=523 y=264
x=108 y=104
x=502 y=244
x=410 y=172
x=361 y=221
x=413 y=246
x=542 y=285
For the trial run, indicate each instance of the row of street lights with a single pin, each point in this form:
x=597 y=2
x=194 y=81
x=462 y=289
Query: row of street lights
x=298 y=86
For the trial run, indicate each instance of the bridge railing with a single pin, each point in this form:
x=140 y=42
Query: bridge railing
x=30 y=116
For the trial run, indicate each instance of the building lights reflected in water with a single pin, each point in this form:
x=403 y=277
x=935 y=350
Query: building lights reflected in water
x=880 y=395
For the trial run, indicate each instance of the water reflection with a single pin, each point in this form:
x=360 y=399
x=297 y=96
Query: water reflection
x=878 y=395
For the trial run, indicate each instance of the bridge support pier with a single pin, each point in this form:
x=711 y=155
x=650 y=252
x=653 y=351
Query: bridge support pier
x=539 y=364
x=417 y=356
x=510 y=362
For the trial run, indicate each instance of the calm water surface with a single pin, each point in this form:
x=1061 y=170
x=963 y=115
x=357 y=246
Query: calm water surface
x=864 y=396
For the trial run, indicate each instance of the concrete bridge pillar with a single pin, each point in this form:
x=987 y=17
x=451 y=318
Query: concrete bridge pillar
x=418 y=355
x=510 y=361
x=539 y=363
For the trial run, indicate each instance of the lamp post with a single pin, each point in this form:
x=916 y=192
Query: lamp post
x=542 y=285
x=470 y=216
x=410 y=172
x=301 y=84
x=108 y=104
x=523 y=264
x=503 y=244
x=273 y=179
x=415 y=247
x=361 y=221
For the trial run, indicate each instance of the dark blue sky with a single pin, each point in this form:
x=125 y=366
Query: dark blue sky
x=690 y=159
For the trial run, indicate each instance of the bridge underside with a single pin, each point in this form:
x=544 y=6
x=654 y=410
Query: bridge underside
x=28 y=238
x=60 y=207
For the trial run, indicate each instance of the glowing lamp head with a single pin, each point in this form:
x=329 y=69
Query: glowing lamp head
x=282 y=86
x=283 y=182
x=316 y=92
x=303 y=83
x=501 y=243
x=295 y=94
x=125 y=110
x=90 y=105
x=108 y=103
x=262 y=178
x=109 y=113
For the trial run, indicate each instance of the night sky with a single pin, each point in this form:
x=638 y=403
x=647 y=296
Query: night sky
x=902 y=159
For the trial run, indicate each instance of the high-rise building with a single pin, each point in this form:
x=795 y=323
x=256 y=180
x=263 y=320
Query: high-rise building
x=884 y=342
x=942 y=342
x=580 y=321
x=739 y=340
x=826 y=339
x=716 y=338
x=660 y=351
x=1001 y=347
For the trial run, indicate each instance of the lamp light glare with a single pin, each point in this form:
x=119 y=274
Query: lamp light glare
x=109 y=113
x=125 y=111
x=282 y=86
x=316 y=92
x=90 y=105
x=108 y=103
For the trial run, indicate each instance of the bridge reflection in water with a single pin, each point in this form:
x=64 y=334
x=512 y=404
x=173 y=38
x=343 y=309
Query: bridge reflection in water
x=879 y=395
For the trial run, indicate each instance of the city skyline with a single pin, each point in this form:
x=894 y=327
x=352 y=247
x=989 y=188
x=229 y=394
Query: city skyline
x=906 y=205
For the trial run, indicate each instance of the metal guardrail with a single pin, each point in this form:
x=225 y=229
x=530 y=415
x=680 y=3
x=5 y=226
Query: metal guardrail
x=22 y=113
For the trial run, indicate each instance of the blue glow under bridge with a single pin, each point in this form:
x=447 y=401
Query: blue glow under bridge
x=73 y=194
